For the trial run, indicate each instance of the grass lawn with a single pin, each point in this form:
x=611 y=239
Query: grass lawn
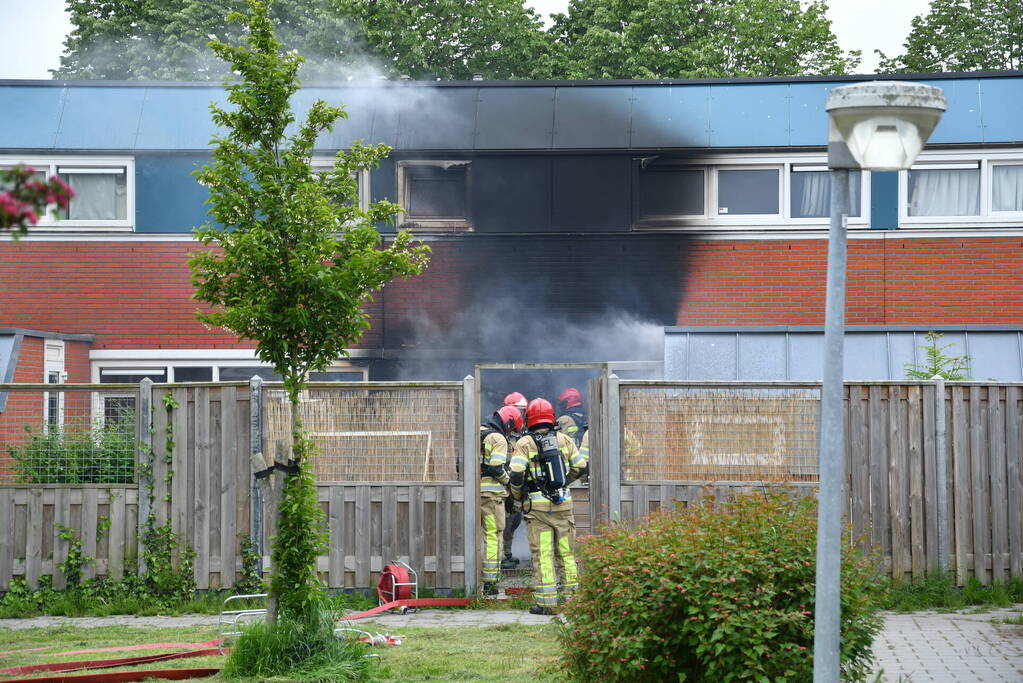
x=502 y=652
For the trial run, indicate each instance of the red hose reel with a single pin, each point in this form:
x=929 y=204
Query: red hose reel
x=398 y=581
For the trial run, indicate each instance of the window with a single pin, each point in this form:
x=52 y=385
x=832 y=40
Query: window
x=434 y=194
x=944 y=190
x=963 y=188
x=748 y=191
x=769 y=191
x=362 y=179
x=104 y=192
x=810 y=192
x=53 y=362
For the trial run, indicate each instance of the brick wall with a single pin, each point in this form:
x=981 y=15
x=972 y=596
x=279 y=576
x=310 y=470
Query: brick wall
x=890 y=282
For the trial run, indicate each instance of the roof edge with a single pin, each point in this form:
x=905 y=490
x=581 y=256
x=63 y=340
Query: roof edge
x=964 y=75
x=64 y=336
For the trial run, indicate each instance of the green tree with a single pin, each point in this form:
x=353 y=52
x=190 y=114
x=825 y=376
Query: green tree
x=962 y=35
x=696 y=39
x=293 y=262
x=937 y=362
x=167 y=39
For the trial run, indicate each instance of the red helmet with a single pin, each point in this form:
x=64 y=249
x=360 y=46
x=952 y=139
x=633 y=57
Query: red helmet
x=571 y=398
x=539 y=411
x=510 y=419
x=515 y=399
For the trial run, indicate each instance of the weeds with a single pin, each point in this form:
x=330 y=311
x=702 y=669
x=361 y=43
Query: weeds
x=938 y=591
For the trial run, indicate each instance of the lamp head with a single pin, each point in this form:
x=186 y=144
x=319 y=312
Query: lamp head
x=881 y=125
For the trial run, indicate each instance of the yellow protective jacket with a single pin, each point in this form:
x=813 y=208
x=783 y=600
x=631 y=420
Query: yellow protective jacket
x=494 y=451
x=525 y=455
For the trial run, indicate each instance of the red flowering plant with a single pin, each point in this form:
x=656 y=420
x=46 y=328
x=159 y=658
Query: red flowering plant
x=721 y=591
x=25 y=198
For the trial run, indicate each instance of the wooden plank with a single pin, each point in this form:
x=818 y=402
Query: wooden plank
x=639 y=501
x=443 y=537
x=930 y=492
x=61 y=517
x=179 y=485
x=201 y=458
x=915 y=470
x=118 y=518
x=897 y=485
x=981 y=488
x=999 y=495
x=415 y=515
x=859 y=470
x=1014 y=483
x=336 y=554
x=878 y=454
x=962 y=503
x=33 y=539
x=389 y=514
x=160 y=506
x=6 y=538
x=215 y=488
x=229 y=429
x=667 y=499
x=90 y=519
x=362 y=529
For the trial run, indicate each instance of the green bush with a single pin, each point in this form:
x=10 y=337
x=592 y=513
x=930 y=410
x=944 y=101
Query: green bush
x=717 y=592
x=303 y=649
x=77 y=454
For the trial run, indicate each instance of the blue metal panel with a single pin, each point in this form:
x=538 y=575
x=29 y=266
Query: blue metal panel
x=749 y=115
x=761 y=356
x=178 y=118
x=866 y=356
x=676 y=349
x=806 y=357
x=515 y=118
x=592 y=117
x=671 y=116
x=167 y=197
x=808 y=121
x=100 y=118
x=884 y=200
x=29 y=116
x=994 y=355
x=961 y=122
x=1001 y=102
x=902 y=351
x=712 y=356
x=358 y=104
x=437 y=118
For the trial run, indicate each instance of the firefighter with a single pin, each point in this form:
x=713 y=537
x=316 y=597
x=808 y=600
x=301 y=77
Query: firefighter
x=572 y=415
x=495 y=437
x=544 y=463
x=512 y=512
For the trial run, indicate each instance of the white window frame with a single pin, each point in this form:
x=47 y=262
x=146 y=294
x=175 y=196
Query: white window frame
x=782 y=221
x=148 y=360
x=427 y=224
x=53 y=364
x=47 y=222
x=320 y=164
x=986 y=159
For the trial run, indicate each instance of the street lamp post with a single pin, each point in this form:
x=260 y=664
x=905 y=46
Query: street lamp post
x=876 y=126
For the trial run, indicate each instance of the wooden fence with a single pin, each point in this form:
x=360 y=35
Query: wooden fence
x=933 y=471
x=911 y=481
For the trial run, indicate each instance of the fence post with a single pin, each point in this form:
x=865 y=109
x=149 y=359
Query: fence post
x=614 y=450
x=256 y=448
x=941 y=475
x=144 y=416
x=470 y=484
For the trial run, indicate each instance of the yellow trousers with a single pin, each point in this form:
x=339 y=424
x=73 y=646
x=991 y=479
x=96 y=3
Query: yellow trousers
x=552 y=545
x=492 y=523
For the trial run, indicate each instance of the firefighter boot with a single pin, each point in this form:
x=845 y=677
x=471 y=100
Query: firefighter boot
x=509 y=562
x=540 y=609
x=490 y=589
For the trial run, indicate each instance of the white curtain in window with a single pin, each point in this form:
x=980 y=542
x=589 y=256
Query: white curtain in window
x=945 y=192
x=816 y=195
x=1007 y=188
x=98 y=196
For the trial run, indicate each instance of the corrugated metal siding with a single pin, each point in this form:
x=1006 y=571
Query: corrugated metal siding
x=797 y=354
x=550 y=117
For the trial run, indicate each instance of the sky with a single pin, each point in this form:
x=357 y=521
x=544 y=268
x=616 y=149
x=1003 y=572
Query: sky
x=32 y=32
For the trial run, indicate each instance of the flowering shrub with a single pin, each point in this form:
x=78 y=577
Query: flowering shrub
x=26 y=198
x=718 y=592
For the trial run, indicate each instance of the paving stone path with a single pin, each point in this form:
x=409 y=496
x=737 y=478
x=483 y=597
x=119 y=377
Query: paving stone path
x=922 y=647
